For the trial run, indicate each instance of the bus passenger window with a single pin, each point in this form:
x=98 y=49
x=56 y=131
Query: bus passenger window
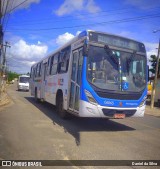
x=51 y=64
x=64 y=60
x=54 y=65
x=40 y=69
x=48 y=64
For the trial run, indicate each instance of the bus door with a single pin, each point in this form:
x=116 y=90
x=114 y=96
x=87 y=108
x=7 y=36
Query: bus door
x=43 y=84
x=75 y=80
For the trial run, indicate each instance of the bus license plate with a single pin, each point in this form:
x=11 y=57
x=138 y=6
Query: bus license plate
x=119 y=116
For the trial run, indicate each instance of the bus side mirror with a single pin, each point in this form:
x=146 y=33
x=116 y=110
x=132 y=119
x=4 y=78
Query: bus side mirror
x=85 y=49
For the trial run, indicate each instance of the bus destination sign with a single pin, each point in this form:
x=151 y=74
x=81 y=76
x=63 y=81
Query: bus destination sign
x=116 y=41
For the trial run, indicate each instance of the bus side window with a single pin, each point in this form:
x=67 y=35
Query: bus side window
x=48 y=66
x=64 y=60
x=40 y=69
x=35 y=72
x=51 y=65
x=54 y=64
x=32 y=73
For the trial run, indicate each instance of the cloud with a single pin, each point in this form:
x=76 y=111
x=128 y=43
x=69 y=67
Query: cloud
x=10 y=4
x=22 y=50
x=92 y=7
x=39 y=43
x=142 y=4
x=11 y=38
x=125 y=34
x=78 y=32
x=22 y=55
x=151 y=49
x=62 y=39
x=69 y=6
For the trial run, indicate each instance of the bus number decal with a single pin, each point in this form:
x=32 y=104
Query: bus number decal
x=60 y=82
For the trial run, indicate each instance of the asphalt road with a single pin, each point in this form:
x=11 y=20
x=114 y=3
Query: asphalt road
x=30 y=130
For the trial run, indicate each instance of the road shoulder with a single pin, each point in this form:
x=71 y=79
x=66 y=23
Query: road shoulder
x=5 y=100
x=153 y=112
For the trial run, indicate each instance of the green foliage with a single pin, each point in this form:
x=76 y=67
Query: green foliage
x=153 y=61
x=12 y=75
x=28 y=74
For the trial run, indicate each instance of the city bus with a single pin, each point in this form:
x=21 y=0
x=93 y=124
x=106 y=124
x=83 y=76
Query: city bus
x=95 y=74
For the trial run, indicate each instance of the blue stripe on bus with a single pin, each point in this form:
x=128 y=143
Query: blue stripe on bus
x=82 y=34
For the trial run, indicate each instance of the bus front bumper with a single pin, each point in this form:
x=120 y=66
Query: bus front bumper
x=89 y=110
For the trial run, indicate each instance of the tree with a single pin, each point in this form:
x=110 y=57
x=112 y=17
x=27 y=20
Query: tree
x=12 y=75
x=28 y=74
x=153 y=61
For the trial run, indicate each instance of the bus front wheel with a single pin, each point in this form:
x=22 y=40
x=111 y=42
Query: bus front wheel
x=62 y=113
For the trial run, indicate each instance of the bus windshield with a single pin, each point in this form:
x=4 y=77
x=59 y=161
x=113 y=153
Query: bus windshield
x=116 y=70
x=24 y=79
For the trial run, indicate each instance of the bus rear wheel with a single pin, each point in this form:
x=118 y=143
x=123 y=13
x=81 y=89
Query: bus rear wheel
x=62 y=113
x=36 y=97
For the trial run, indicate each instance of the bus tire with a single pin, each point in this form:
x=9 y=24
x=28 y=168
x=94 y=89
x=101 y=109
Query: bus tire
x=35 y=96
x=59 y=104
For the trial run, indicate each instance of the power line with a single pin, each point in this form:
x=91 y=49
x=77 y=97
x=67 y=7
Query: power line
x=81 y=15
x=17 y=6
x=5 y=12
x=78 y=15
x=9 y=11
x=92 y=24
x=7 y=19
x=69 y=20
x=2 y=6
x=123 y=11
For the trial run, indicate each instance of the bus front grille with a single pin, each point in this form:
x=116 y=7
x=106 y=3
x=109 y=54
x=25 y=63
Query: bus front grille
x=119 y=96
x=111 y=112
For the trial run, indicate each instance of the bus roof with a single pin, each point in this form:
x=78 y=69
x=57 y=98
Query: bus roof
x=23 y=76
x=79 y=36
x=63 y=46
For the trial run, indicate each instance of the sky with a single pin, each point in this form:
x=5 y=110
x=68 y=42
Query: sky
x=35 y=28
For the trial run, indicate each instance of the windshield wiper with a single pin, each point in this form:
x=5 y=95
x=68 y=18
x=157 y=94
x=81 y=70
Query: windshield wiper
x=111 y=54
x=130 y=60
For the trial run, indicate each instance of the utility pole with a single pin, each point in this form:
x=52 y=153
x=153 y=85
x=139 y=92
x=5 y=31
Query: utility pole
x=156 y=74
x=1 y=34
x=4 y=54
x=1 y=48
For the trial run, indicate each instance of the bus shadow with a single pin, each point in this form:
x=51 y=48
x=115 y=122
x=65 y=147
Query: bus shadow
x=74 y=125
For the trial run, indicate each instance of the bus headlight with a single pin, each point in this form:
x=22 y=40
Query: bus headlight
x=143 y=102
x=90 y=98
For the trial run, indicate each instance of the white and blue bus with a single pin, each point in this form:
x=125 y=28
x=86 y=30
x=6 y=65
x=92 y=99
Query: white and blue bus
x=96 y=74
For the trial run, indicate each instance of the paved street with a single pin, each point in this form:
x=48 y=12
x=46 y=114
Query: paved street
x=30 y=130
